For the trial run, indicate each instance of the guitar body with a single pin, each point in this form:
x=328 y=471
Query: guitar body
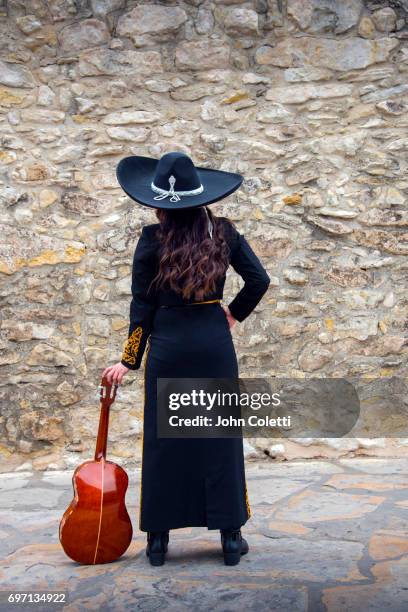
x=96 y=527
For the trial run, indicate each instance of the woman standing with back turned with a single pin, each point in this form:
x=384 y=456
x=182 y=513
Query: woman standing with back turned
x=178 y=275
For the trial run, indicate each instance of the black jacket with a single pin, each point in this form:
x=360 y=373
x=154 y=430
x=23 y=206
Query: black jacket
x=143 y=304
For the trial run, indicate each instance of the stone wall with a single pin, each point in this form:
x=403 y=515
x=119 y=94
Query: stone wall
x=306 y=98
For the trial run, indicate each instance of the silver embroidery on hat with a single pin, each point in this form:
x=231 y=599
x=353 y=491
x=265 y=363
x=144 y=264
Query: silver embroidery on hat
x=175 y=195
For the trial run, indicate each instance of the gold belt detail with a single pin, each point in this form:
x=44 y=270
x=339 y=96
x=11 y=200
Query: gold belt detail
x=189 y=304
x=207 y=302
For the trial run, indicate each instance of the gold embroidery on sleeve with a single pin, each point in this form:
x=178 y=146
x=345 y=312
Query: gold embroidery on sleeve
x=132 y=346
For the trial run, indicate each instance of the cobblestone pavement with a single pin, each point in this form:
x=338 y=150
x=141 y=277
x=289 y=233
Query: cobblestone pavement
x=324 y=535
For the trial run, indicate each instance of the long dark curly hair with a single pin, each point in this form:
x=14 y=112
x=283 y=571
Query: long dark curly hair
x=190 y=261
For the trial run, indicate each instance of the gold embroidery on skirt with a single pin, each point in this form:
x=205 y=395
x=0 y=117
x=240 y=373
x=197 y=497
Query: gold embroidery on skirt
x=144 y=402
x=132 y=346
x=247 y=502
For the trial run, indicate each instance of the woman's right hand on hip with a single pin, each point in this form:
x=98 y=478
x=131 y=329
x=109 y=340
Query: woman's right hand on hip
x=230 y=318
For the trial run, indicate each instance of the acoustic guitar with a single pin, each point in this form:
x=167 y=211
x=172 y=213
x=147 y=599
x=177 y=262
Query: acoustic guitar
x=96 y=527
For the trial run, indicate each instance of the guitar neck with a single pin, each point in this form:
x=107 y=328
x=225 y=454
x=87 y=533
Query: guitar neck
x=102 y=440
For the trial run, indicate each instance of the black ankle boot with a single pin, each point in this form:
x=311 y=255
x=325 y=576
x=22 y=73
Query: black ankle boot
x=157 y=544
x=233 y=546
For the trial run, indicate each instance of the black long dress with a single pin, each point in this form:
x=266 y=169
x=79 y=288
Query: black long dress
x=201 y=481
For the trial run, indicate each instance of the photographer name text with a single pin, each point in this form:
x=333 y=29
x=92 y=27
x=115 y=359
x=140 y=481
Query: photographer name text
x=252 y=421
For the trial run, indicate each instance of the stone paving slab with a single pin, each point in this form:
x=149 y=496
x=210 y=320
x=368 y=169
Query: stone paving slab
x=324 y=535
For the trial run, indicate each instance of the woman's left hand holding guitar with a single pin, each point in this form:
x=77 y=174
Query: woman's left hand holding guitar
x=115 y=373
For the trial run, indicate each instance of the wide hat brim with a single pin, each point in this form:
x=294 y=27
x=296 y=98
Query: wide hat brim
x=135 y=174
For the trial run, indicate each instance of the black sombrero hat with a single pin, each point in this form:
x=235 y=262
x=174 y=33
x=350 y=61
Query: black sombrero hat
x=173 y=181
